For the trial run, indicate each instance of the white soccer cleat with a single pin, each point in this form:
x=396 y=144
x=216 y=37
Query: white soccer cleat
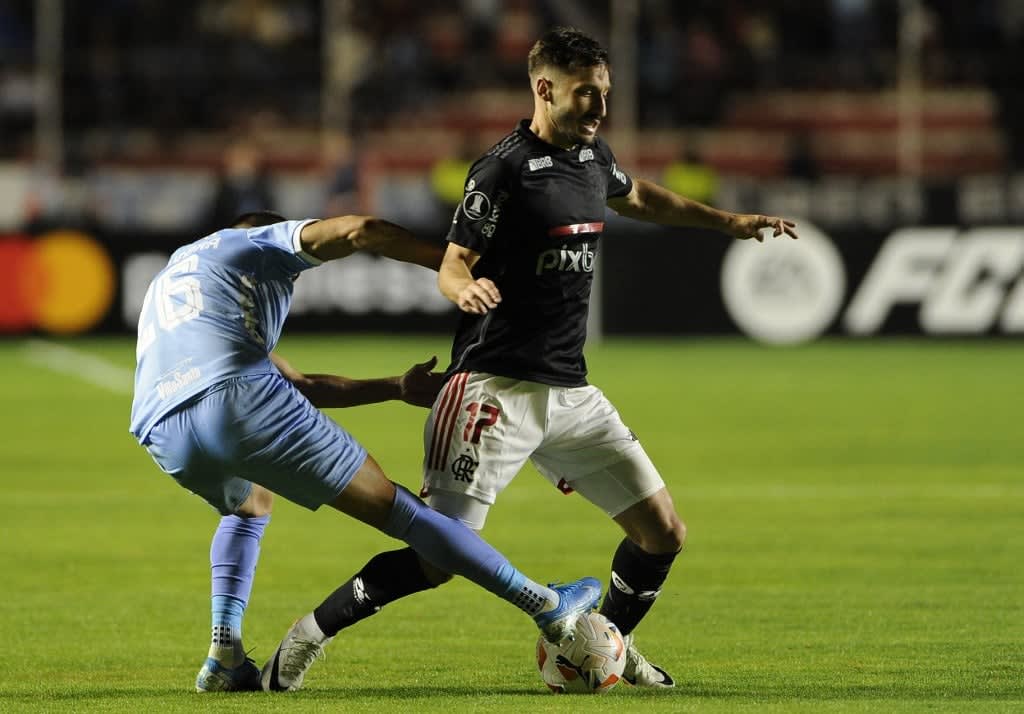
x=303 y=645
x=641 y=673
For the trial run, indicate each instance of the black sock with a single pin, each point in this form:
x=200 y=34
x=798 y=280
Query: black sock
x=637 y=577
x=385 y=578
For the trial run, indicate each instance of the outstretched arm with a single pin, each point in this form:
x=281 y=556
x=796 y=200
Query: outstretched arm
x=418 y=386
x=650 y=202
x=339 y=237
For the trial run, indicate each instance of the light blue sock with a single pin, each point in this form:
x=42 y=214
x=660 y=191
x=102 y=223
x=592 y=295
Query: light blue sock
x=226 y=630
x=454 y=548
x=234 y=552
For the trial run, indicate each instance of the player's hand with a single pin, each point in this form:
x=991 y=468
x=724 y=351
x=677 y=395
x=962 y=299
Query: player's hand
x=747 y=226
x=478 y=297
x=419 y=385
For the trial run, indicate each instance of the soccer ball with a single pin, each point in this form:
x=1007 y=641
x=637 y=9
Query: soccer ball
x=590 y=663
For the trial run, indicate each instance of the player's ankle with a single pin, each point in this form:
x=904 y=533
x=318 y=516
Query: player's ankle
x=311 y=630
x=228 y=657
x=551 y=602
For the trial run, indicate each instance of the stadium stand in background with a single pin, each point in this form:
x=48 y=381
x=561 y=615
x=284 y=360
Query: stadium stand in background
x=889 y=129
x=752 y=88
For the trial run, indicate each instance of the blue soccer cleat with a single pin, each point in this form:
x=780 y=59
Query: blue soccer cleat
x=215 y=677
x=574 y=600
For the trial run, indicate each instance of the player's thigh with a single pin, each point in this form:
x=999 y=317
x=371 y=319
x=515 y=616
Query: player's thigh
x=260 y=502
x=479 y=434
x=284 y=443
x=613 y=487
x=591 y=451
x=175 y=448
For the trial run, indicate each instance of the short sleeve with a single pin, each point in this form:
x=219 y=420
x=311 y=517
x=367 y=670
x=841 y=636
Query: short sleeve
x=619 y=182
x=280 y=243
x=478 y=216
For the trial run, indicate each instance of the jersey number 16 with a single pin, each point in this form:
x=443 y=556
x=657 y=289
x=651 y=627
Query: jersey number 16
x=177 y=299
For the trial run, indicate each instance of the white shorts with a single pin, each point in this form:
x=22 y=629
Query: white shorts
x=483 y=428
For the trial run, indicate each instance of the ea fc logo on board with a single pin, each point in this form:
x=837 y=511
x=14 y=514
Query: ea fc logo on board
x=784 y=291
x=61 y=282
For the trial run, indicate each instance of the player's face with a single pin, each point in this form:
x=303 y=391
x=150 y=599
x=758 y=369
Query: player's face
x=578 y=103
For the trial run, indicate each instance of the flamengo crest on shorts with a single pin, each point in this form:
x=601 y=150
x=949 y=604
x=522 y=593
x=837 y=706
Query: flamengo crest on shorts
x=484 y=428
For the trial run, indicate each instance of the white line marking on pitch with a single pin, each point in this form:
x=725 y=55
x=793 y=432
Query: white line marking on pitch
x=85 y=366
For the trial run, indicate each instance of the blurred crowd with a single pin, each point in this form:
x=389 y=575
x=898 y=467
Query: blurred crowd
x=216 y=64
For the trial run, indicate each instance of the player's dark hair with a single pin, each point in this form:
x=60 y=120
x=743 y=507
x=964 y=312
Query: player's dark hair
x=566 y=48
x=255 y=219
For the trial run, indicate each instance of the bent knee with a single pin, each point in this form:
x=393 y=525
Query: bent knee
x=434 y=576
x=668 y=536
x=438 y=577
x=260 y=502
x=678 y=535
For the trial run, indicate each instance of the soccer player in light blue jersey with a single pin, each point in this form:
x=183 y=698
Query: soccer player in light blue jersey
x=233 y=423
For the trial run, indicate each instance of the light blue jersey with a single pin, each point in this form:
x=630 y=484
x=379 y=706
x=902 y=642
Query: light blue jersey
x=215 y=312
x=217 y=416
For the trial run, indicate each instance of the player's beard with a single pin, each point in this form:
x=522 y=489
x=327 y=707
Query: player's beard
x=586 y=119
x=569 y=129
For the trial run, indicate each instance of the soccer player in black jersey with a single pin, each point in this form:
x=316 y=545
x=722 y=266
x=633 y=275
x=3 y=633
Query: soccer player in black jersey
x=519 y=265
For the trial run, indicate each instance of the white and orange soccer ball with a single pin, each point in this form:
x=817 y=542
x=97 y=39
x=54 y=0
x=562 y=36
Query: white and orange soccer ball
x=590 y=663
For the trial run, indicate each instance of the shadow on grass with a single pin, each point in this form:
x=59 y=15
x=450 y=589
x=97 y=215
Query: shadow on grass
x=693 y=690
x=828 y=691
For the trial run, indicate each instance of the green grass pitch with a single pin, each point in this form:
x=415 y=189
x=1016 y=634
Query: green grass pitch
x=856 y=539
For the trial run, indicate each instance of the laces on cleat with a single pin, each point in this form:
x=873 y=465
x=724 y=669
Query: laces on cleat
x=286 y=669
x=300 y=657
x=642 y=673
x=574 y=600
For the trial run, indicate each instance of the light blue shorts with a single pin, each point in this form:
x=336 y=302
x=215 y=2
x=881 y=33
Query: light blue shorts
x=257 y=429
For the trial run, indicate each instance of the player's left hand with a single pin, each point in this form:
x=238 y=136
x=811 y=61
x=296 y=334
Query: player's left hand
x=747 y=226
x=419 y=385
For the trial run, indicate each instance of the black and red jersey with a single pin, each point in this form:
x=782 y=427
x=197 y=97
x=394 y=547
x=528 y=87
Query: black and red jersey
x=535 y=213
